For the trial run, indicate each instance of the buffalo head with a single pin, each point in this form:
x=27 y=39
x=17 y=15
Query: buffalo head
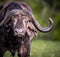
x=24 y=22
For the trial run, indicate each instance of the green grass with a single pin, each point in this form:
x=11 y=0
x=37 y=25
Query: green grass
x=42 y=48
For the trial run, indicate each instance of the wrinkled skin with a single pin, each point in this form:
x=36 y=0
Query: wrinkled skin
x=17 y=28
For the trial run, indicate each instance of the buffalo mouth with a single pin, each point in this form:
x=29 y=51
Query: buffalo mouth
x=20 y=36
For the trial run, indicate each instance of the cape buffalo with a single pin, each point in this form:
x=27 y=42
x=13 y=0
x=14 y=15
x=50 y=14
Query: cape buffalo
x=17 y=28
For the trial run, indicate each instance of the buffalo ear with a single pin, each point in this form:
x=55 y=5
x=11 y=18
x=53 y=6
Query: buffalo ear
x=31 y=31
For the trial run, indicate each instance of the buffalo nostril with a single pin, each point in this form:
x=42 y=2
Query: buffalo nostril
x=16 y=31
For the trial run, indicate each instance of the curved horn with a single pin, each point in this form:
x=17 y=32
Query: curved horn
x=38 y=26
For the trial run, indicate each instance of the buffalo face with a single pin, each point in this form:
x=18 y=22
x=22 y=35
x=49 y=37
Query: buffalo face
x=19 y=20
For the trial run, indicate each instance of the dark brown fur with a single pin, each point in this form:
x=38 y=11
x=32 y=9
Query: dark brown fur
x=7 y=39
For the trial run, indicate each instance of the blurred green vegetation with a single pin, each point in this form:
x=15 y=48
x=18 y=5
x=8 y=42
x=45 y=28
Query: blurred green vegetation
x=43 y=48
x=42 y=10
